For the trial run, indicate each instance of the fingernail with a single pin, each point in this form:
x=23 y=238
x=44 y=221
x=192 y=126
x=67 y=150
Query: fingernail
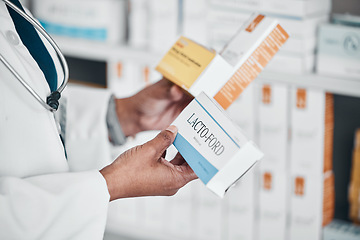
x=172 y=129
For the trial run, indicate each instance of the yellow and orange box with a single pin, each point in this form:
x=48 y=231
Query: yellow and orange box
x=223 y=76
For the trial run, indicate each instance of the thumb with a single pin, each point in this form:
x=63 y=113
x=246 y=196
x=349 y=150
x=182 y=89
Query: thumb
x=163 y=140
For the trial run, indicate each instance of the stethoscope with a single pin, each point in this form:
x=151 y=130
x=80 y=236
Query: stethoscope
x=52 y=101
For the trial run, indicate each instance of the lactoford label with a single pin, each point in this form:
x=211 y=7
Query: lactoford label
x=205 y=134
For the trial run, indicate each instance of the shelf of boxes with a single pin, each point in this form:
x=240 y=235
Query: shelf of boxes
x=336 y=85
x=102 y=51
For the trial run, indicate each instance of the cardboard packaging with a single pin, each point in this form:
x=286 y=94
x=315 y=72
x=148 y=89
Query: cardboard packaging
x=243 y=111
x=126 y=78
x=309 y=111
x=312 y=193
x=273 y=205
x=212 y=145
x=293 y=63
x=163 y=25
x=242 y=199
x=210 y=216
x=338 y=51
x=273 y=126
x=224 y=76
x=306 y=206
x=223 y=23
x=195 y=20
x=181 y=212
x=241 y=204
x=103 y=21
x=299 y=9
x=138 y=23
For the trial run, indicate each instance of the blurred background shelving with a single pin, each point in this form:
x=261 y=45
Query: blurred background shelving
x=102 y=51
x=116 y=44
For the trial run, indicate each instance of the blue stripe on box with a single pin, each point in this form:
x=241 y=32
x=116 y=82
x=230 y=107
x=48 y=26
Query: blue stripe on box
x=216 y=122
x=75 y=32
x=203 y=169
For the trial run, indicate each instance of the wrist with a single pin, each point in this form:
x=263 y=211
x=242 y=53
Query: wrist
x=113 y=187
x=128 y=117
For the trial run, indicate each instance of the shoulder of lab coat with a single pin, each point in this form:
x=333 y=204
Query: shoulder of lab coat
x=87 y=138
x=53 y=203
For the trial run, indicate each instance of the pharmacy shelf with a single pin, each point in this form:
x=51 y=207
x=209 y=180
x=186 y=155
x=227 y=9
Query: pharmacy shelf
x=348 y=87
x=102 y=52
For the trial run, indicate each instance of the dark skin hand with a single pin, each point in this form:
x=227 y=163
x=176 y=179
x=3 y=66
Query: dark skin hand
x=153 y=108
x=143 y=171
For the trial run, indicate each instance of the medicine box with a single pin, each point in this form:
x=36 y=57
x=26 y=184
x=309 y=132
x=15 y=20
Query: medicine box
x=273 y=126
x=103 y=21
x=243 y=111
x=311 y=131
x=306 y=206
x=224 y=76
x=339 y=51
x=298 y=9
x=241 y=206
x=273 y=205
x=212 y=145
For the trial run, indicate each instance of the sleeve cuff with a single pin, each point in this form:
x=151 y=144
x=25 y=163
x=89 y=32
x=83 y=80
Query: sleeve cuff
x=116 y=134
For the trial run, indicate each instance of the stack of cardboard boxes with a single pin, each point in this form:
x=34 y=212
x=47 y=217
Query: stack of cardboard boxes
x=339 y=51
x=311 y=177
x=301 y=18
x=103 y=21
x=273 y=126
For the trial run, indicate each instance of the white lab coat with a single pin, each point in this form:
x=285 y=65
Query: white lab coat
x=41 y=197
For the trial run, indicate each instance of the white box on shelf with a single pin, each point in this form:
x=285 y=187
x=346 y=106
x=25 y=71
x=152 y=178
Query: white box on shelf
x=212 y=145
x=273 y=205
x=225 y=17
x=194 y=20
x=218 y=36
x=210 y=223
x=124 y=78
x=299 y=46
x=273 y=126
x=242 y=111
x=339 y=51
x=306 y=206
x=303 y=28
x=138 y=23
x=241 y=204
x=300 y=9
x=292 y=63
x=296 y=27
x=181 y=212
x=163 y=24
x=96 y=20
x=307 y=130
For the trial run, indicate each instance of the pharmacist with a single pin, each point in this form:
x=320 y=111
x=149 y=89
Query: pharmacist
x=43 y=193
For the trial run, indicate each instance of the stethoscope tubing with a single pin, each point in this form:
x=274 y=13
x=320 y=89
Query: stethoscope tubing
x=61 y=57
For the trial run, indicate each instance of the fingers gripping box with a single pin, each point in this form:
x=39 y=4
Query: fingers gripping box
x=212 y=145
